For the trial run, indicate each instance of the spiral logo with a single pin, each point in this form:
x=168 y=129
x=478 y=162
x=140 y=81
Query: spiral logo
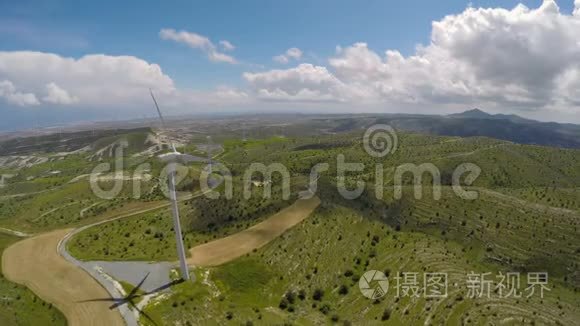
x=380 y=140
x=373 y=284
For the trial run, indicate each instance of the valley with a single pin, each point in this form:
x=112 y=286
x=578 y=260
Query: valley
x=271 y=260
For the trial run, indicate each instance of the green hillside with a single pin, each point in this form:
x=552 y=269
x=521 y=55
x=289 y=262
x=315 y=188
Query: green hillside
x=525 y=219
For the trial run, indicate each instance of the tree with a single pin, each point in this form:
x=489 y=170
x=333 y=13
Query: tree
x=325 y=309
x=283 y=304
x=318 y=294
x=386 y=314
x=290 y=296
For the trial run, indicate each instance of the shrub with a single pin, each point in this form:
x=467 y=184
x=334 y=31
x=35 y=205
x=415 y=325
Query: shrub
x=290 y=296
x=325 y=309
x=283 y=304
x=318 y=294
x=302 y=295
x=386 y=315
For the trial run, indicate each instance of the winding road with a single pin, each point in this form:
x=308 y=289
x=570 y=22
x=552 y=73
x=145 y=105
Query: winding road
x=36 y=263
x=42 y=263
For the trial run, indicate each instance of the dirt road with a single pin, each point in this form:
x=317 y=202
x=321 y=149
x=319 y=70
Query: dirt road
x=35 y=263
x=229 y=248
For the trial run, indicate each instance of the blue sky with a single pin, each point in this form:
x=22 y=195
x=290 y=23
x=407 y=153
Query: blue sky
x=259 y=30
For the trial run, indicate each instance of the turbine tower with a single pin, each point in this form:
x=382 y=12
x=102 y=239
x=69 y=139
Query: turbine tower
x=209 y=158
x=172 y=159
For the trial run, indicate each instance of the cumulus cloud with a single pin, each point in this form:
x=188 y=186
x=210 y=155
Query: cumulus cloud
x=201 y=42
x=9 y=93
x=494 y=58
x=227 y=46
x=305 y=82
x=290 y=54
x=100 y=82
x=518 y=58
x=92 y=80
x=57 y=95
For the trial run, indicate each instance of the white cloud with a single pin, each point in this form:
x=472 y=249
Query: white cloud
x=305 y=82
x=197 y=41
x=292 y=53
x=57 y=95
x=100 y=82
x=494 y=58
x=280 y=59
x=9 y=93
x=93 y=80
x=227 y=46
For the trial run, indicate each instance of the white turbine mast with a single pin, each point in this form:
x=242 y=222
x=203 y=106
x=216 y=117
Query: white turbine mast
x=209 y=150
x=173 y=158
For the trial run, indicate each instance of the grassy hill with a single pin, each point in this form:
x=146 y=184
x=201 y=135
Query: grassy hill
x=525 y=219
x=310 y=276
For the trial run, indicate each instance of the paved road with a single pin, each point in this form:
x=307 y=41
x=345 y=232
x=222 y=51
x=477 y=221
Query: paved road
x=35 y=263
x=131 y=319
x=42 y=264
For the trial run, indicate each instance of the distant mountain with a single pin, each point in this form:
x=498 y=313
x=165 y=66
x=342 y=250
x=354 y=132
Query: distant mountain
x=479 y=114
x=473 y=123
x=500 y=126
x=472 y=114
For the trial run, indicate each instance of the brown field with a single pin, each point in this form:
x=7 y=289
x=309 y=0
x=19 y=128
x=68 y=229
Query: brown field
x=229 y=248
x=35 y=263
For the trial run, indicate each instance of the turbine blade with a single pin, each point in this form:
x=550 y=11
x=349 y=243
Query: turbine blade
x=163 y=125
x=165 y=286
x=135 y=289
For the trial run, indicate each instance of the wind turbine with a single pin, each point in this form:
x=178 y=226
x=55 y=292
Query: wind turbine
x=209 y=158
x=173 y=158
